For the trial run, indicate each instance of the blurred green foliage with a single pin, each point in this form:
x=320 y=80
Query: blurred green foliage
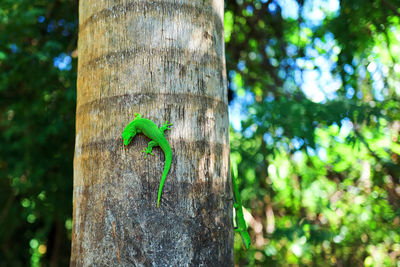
x=316 y=130
x=37 y=106
x=314 y=88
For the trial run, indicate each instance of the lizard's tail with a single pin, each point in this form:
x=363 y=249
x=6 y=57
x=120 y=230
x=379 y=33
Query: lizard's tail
x=168 y=159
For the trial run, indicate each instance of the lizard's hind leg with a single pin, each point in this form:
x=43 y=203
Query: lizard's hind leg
x=150 y=148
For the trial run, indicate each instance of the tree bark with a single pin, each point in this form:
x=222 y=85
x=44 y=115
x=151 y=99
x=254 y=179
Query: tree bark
x=164 y=60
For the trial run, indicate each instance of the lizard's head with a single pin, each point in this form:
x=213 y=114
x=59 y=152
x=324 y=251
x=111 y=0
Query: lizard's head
x=127 y=136
x=129 y=131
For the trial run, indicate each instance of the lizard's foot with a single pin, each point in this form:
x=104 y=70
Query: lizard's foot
x=150 y=148
x=165 y=126
x=147 y=151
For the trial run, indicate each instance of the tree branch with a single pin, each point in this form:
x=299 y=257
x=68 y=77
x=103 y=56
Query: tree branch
x=391 y=7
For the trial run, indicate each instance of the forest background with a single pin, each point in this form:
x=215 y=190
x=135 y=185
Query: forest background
x=314 y=108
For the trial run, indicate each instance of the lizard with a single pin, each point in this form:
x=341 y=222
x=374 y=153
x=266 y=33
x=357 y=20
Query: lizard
x=150 y=129
x=239 y=217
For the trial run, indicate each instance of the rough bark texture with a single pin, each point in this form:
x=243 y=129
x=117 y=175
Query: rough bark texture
x=165 y=60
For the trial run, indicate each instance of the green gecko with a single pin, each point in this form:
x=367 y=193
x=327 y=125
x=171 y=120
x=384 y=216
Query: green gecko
x=150 y=129
x=239 y=218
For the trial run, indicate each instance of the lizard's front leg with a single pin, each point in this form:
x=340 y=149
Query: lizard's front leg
x=150 y=148
x=165 y=127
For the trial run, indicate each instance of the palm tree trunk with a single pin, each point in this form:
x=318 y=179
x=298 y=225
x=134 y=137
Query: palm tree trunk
x=164 y=60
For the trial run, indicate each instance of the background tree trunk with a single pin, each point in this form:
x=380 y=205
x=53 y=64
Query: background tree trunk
x=165 y=60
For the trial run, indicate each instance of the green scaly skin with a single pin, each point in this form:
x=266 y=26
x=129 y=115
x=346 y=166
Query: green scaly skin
x=150 y=129
x=239 y=218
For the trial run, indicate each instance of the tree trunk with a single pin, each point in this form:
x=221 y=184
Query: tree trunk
x=164 y=60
